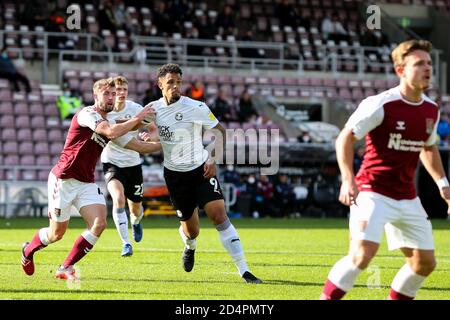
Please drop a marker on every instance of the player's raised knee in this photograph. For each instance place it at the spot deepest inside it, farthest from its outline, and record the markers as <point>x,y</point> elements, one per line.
<point>99,226</point>
<point>424,266</point>
<point>362,261</point>
<point>56,235</point>
<point>193,233</point>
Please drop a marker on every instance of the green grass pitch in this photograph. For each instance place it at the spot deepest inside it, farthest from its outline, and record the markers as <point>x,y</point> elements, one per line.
<point>291,256</point>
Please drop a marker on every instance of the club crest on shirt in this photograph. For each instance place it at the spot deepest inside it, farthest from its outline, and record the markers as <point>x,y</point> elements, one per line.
<point>179,116</point>
<point>430,125</point>
<point>400,125</point>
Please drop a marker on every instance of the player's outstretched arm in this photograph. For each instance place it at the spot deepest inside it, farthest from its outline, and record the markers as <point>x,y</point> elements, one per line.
<point>113,131</point>
<point>431,160</point>
<point>143,147</point>
<point>344,154</point>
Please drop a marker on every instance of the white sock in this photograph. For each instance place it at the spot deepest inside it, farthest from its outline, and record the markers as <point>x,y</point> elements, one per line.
<point>407,282</point>
<point>135,220</point>
<point>189,243</point>
<point>344,274</point>
<point>89,236</point>
<point>230,240</point>
<point>43,236</point>
<point>121,221</point>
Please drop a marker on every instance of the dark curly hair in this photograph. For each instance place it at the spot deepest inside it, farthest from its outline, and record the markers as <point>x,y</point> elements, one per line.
<point>169,68</point>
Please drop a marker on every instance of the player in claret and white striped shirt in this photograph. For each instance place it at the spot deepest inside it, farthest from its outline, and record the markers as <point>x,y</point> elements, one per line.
<point>399,126</point>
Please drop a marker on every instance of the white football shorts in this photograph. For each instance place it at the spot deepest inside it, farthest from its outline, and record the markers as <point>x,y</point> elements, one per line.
<point>64,193</point>
<point>405,221</point>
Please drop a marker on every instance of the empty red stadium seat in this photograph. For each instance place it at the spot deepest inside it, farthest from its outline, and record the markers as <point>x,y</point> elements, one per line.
<point>41,148</point>
<point>11,160</point>
<point>43,160</point>
<point>9,134</point>
<point>27,160</point>
<point>26,148</point>
<point>10,147</point>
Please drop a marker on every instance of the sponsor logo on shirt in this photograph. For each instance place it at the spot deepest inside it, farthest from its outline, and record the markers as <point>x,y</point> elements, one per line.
<point>211,116</point>
<point>397,143</point>
<point>400,125</point>
<point>99,139</point>
<point>165,133</point>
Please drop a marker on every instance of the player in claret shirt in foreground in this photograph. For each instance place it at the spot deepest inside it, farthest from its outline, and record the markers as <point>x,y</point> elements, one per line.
<point>400,126</point>
<point>71,181</point>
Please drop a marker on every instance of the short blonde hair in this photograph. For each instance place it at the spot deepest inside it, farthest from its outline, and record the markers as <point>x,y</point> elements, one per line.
<point>120,80</point>
<point>103,83</point>
<point>399,54</point>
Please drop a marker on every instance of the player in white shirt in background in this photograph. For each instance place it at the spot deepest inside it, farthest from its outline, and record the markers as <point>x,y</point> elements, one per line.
<point>123,172</point>
<point>189,173</point>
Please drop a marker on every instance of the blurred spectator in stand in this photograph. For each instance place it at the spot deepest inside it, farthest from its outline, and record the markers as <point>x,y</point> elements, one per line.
<point>302,193</point>
<point>333,29</point>
<point>286,14</point>
<point>304,137</point>
<point>35,13</point>
<point>106,17</point>
<point>162,19</point>
<point>196,91</point>
<point>221,108</point>
<point>373,38</point>
<point>358,158</point>
<point>247,112</point>
<point>151,94</point>
<point>443,129</point>
<point>179,12</point>
<point>250,52</point>
<point>225,22</point>
<point>194,50</point>
<point>205,29</point>
<point>68,103</point>
<point>255,197</point>
<point>122,18</point>
<point>8,71</point>
<point>284,197</point>
<point>56,23</point>
<point>265,190</point>
<point>230,175</point>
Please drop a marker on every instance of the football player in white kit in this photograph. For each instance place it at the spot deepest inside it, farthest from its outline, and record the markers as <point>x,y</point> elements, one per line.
<point>400,126</point>
<point>189,172</point>
<point>123,172</point>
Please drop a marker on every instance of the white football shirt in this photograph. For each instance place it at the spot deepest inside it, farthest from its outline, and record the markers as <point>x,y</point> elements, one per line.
<point>180,128</point>
<point>114,153</point>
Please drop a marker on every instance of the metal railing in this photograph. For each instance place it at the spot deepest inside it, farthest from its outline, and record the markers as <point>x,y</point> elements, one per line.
<point>89,48</point>
<point>86,42</point>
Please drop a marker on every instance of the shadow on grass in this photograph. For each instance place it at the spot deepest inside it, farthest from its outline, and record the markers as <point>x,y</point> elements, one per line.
<point>28,290</point>
<point>172,222</point>
<point>240,223</point>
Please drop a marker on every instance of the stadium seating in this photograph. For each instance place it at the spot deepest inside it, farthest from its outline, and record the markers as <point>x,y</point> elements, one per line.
<point>303,41</point>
